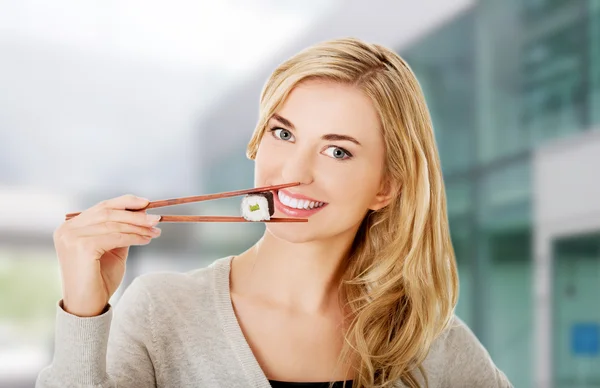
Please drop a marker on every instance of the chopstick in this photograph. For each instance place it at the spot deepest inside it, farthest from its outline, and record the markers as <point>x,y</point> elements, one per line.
<point>172,218</point>
<point>224,219</point>
<point>208,197</point>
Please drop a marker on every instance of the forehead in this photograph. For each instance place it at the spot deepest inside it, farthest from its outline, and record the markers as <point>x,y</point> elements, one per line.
<point>329,107</point>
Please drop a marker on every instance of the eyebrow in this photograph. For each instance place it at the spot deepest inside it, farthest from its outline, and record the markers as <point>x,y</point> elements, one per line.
<point>329,136</point>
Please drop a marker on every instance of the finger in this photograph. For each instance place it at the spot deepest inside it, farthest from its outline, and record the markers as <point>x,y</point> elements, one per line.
<point>128,201</point>
<point>123,216</point>
<point>105,242</point>
<point>116,227</point>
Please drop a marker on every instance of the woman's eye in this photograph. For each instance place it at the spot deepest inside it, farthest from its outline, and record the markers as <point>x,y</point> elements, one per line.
<point>282,134</point>
<point>338,153</point>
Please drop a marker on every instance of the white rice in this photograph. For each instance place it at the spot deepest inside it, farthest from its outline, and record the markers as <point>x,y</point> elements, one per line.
<point>260,214</point>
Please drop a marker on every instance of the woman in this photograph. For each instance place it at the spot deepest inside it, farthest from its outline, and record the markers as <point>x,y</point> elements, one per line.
<point>362,294</point>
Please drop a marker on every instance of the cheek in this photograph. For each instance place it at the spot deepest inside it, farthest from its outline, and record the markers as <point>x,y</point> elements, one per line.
<point>352,186</point>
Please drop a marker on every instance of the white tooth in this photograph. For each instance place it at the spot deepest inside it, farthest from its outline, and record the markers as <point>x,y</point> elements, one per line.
<point>321,203</point>
<point>297,203</point>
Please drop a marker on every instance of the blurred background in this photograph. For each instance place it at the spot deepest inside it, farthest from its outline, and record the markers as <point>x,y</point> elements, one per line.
<point>103,98</point>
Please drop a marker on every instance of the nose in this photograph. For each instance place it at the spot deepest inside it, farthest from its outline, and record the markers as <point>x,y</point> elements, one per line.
<point>298,167</point>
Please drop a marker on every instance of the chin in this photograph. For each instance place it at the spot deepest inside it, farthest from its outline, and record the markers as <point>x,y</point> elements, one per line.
<point>293,233</point>
<point>301,233</point>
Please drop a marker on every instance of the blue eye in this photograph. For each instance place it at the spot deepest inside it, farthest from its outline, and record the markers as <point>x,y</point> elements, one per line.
<point>338,153</point>
<point>282,134</point>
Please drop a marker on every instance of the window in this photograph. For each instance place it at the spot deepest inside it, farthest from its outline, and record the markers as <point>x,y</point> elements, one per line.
<point>553,69</point>
<point>444,66</point>
<point>594,31</point>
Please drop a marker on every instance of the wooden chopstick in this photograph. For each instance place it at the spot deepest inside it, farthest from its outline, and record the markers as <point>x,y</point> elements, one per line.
<point>172,218</point>
<point>208,197</point>
<point>205,197</point>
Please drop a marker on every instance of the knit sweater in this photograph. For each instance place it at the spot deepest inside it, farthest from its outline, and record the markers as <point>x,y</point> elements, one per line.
<point>180,330</point>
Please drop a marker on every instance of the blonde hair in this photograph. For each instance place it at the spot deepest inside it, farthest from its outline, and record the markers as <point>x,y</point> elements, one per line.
<point>401,282</point>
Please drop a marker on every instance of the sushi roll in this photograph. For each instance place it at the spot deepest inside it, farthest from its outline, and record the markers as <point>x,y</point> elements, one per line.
<point>258,206</point>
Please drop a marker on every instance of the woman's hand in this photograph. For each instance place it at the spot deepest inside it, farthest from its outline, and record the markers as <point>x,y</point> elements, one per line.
<point>92,249</point>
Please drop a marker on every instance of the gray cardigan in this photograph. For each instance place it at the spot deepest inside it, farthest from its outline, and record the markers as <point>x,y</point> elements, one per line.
<point>180,330</point>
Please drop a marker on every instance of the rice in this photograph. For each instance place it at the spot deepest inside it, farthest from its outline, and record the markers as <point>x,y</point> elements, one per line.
<point>258,207</point>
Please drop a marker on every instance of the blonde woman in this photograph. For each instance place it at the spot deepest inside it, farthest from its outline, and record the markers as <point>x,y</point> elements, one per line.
<point>362,295</point>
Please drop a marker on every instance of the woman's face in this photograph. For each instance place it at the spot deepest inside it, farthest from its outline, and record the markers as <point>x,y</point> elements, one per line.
<point>326,136</point>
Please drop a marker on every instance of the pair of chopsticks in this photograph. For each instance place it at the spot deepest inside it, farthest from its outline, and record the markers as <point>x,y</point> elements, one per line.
<point>208,197</point>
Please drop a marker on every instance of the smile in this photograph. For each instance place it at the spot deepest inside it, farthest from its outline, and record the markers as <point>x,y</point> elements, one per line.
<point>297,205</point>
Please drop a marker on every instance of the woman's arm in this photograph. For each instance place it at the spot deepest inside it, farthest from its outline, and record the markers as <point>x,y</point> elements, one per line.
<point>85,355</point>
<point>469,363</point>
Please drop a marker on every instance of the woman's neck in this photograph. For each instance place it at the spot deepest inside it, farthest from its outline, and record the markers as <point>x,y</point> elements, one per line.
<point>301,277</point>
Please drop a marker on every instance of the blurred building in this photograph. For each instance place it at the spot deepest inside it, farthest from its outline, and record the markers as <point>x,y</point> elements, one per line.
<point>514,91</point>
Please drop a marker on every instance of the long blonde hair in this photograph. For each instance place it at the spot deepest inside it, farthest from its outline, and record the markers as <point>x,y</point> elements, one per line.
<point>401,282</point>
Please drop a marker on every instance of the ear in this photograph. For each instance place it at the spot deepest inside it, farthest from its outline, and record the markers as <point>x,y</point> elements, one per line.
<point>388,191</point>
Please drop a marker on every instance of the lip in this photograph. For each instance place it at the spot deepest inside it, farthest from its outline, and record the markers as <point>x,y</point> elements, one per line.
<point>293,212</point>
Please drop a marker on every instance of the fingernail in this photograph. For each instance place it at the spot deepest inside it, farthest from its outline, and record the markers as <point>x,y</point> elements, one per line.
<point>153,218</point>
<point>156,231</point>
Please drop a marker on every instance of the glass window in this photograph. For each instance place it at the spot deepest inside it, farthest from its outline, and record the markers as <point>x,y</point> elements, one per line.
<point>505,197</point>
<point>553,69</point>
<point>443,64</point>
<point>576,310</point>
<point>498,35</point>
<point>460,231</point>
<point>510,276</point>
<point>594,30</point>
<point>459,198</point>
<point>533,74</point>
<point>537,9</point>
